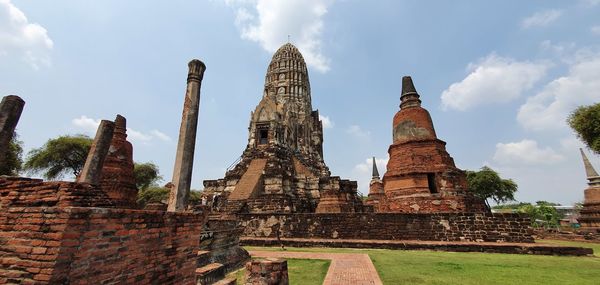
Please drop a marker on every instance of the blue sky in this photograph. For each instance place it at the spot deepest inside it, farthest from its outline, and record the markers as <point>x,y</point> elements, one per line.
<point>499,77</point>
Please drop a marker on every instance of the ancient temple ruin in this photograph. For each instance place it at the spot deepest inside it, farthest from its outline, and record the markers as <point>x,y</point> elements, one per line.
<point>421,176</point>
<point>590,214</point>
<point>57,232</point>
<point>282,168</point>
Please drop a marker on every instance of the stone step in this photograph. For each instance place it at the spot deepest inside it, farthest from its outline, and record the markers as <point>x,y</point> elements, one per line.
<point>203,258</point>
<point>250,181</point>
<point>209,274</point>
<point>226,281</point>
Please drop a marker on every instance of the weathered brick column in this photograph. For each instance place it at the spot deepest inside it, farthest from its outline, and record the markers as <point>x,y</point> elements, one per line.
<point>11,108</point>
<point>267,271</point>
<point>184,158</point>
<point>92,170</point>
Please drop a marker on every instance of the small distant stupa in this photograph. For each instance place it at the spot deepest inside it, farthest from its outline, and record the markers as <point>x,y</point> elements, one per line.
<point>590,214</point>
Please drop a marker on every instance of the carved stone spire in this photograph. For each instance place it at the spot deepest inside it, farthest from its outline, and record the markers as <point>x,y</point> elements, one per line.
<point>375,171</point>
<point>409,97</point>
<point>590,172</point>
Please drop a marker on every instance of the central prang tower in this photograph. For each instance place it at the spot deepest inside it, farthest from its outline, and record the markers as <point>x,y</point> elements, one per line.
<point>284,117</point>
<point>282,169</point>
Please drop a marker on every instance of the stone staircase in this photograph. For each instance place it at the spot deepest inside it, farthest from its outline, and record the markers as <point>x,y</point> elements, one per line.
<point>250,181</point>
<point>209,273</point>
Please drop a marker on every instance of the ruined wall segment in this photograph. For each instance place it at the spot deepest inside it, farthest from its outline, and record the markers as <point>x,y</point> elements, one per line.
<point>68,232</point>
<point>474,227</point>
<point>421,176</point>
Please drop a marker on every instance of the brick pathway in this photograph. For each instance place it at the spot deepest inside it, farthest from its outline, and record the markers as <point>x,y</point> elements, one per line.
<point>345,268</point>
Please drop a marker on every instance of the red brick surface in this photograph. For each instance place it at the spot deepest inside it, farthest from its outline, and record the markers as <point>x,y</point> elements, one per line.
<point>56,233</point>
<point>26,192</point>
<point>117,179</point>
<point>421,176</point>
<point>80,245</point>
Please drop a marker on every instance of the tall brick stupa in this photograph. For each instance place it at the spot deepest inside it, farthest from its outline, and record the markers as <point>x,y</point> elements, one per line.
<point>421,176</point>
<point>282,168</point>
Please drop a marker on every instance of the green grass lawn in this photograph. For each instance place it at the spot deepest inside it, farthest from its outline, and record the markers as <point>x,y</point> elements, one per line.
<point>431,267</point>
<point>300,271</point>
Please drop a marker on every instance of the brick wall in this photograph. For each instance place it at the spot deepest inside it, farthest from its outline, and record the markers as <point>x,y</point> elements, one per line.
<point>27,192</point>
<point>52,245</point>
<point>70,233</point>
<point>391,226</point>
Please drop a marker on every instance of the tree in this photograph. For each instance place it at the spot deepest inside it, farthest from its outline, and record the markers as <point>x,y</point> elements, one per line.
<point>146,175</point>
<point>585,120</point>
<point>59,156</point>
<point>152,194</point>
<point>14,157</point>
<point>542,214</point>
<point>487,184</point>
<point>156,194</point>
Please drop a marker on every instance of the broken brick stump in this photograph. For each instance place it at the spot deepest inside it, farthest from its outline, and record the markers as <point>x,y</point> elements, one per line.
<point>268,271</point>
<point>11,108</point>
<point>92,170</point>
<point>117,178</point>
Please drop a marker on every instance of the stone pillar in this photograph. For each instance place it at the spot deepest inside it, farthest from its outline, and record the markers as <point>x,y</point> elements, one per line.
<point>92,170</point>
<point>184,158</point>
<point>11,108</point>
<point>267,271</point>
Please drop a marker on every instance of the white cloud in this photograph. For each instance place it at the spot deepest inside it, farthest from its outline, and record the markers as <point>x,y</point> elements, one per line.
<point>525,152</point>
<point>561,49</point>
<point>570,144</point>
<point>541,19</point>
<point>548,109</point>
<point>595,30</point>
<point>90,126</point>
<point>19,38</point>
<point>269,22</point>
<point>367,166</point>
<point>493,79</point>
<point>160,135</point>
<point>591,3</point>
<point>327,122</point>
<point>138,136</point>
<point>358,132</point>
